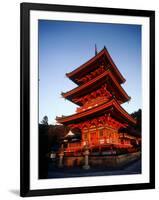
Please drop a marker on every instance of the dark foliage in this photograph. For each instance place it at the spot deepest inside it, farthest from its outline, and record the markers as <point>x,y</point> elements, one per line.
<point>44,120</point>
<point>50,137</point>
<point>43,149</point>
<point>138,116</point>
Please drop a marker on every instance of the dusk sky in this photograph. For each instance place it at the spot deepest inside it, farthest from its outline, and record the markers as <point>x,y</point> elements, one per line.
<point>64,46</point>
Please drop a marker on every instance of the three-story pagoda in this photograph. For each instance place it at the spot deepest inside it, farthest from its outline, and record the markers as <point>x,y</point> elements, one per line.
<point>99,95</point>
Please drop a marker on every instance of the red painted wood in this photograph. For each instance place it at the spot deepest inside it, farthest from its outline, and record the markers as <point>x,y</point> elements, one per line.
<point>100,115</point>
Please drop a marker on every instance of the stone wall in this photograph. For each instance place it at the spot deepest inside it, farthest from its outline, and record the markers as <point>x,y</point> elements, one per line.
<point>71,161</point>
<point>107,161</point>
<point>113,161</point>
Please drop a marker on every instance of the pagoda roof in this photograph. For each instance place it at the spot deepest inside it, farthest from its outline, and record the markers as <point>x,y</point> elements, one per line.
<point>87,67</point>
<point>94,83</point>
<point>112,107</point>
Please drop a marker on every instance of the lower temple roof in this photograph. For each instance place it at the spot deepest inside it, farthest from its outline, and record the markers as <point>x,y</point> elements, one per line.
<point>112,107</point>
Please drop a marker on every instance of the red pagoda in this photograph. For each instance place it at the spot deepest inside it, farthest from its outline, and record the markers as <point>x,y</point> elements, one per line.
<point>99,117</point>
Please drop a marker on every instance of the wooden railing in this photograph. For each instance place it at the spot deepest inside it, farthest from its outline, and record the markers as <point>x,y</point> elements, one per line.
<point>79,145</point>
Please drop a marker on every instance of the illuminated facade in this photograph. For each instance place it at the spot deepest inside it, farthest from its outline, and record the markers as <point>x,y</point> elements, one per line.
<point>99,117</point>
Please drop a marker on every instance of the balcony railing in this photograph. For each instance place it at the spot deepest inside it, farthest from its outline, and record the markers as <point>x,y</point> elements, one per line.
<point>79,145</point>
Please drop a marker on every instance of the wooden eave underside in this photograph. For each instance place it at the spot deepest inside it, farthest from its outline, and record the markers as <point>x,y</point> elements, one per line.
<point>89,85</point>
<point>98,110</point>
<point>77,72</point>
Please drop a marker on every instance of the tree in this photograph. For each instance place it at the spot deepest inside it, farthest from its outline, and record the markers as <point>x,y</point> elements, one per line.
<point>45,120</point>
<point>137,115</point>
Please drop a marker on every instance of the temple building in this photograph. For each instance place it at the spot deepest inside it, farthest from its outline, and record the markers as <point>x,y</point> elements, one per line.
<point>99,117</point>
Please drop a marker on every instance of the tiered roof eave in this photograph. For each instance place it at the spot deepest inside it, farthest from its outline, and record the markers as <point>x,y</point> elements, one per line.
<point>72,93</point>
<point>97,110</point>
<point>104,51</point>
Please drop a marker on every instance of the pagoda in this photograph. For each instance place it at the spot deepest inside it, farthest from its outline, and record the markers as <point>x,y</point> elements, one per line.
<point>99,116</point>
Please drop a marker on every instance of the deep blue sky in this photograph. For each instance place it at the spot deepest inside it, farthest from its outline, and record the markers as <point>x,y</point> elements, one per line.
<point>64,46</point>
